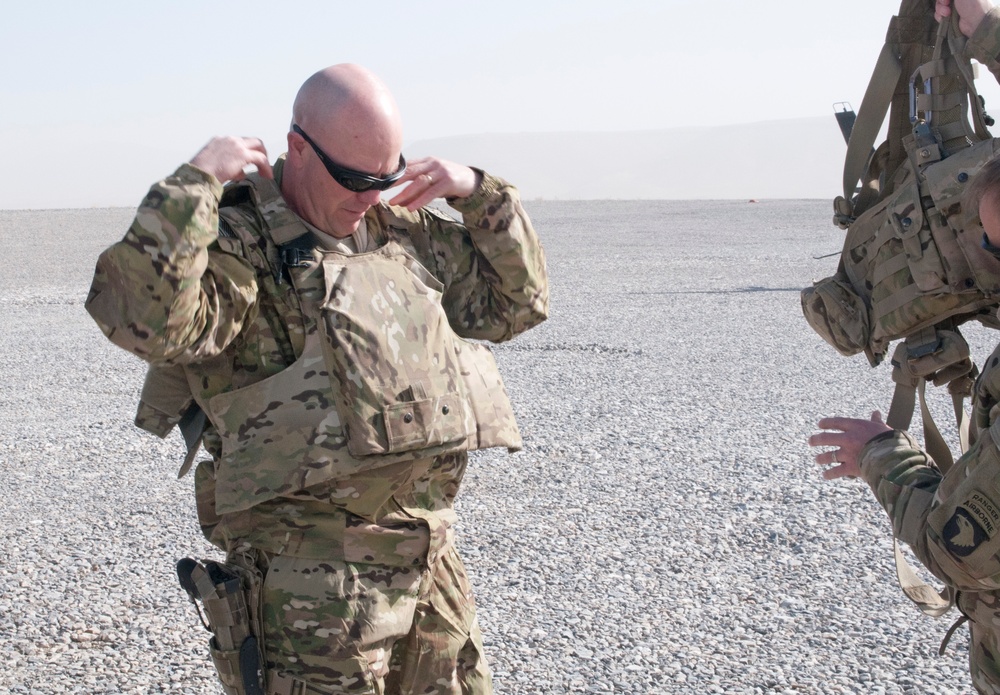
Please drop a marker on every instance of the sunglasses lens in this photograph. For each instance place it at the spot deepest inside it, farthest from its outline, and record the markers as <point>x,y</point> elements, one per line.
<point>352,180</point>
<point>990,248</point>
<point>353,184</point>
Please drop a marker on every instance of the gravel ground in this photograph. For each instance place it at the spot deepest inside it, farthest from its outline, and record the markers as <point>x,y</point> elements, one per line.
<point>664,531</point>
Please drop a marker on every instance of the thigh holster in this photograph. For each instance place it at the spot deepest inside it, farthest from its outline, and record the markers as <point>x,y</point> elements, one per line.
<point>226,597</point>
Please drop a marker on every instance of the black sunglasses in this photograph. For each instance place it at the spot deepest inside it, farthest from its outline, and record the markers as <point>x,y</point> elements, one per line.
<point>990,248</point>
<point>355,181</point>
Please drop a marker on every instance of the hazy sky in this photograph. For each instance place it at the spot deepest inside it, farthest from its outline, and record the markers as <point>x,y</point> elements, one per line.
<point>100,99</point>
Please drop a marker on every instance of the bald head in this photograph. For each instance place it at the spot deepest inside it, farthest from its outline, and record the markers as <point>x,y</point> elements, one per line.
<point>348,103</point>
<point>351,117</point>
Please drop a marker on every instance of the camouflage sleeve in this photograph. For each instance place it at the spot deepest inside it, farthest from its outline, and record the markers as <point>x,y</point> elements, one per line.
<point>950,522</point>
<point>984,44</point>
<point>904,480</point>
<point>493,264</point>
<point>164,292</point>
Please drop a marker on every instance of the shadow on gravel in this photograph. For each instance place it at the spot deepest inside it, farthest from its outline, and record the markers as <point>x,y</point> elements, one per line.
<point>742,290</point>
<point>569,347</point>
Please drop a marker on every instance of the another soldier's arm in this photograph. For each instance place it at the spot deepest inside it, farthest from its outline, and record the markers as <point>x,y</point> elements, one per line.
<point>951,523</point>
<point>904,480</point>
<point>980,21</point>
<point>159,292</point>
<point>970,13</point>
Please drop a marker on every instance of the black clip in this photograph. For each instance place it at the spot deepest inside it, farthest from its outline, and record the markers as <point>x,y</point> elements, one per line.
<point>293,257</point>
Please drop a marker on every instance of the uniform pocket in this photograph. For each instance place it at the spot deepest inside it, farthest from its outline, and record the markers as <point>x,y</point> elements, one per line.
<point>913,232</point>
<point>838,314</point>
<point>279,435</point>
<point>334,623</point>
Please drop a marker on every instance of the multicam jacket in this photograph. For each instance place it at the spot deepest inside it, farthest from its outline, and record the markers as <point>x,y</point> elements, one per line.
<point>226,311</point>
<point>952,521</point>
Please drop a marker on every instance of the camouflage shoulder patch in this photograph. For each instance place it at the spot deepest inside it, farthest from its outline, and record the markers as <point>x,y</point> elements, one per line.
<point>387,215</point>
<point>440,213</point>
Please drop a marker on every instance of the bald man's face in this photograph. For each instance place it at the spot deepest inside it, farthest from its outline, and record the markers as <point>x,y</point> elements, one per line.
<point>316,196</point>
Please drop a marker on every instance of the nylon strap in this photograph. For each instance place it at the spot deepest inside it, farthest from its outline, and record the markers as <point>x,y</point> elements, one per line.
<point>908,386</point>
<point>896,300</point>
<point>904,402</point>
<point>928,600</point>
<point>280,684</point>
<point>891,266</point>
<point>933,441</point>
<point>871,114</point>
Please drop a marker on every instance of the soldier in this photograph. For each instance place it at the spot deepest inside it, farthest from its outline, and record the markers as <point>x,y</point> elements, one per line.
<point>313,338</point>
<point>950,521</point>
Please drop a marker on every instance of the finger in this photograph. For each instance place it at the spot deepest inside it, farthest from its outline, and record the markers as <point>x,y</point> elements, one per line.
<point>877,417</point>
<point>420,164</point>
<point>835,423</point>
<point>825,439</point>
<point>422,189</point>
<point>828,458</point>
<point>415,169</point>
<point>416,180</point>
<point>405,196</point>
<point>255,144</point>
<point>258,158</point>
<point>837,472</point>
<point>422,199</point>
<point>265,170</point>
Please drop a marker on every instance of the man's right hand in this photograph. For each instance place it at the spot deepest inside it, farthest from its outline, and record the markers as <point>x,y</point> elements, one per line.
<point>225,157</point>
<point>970,13</point>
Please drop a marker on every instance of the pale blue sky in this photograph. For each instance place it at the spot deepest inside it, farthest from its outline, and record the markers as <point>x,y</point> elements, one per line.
<point>100,99</point>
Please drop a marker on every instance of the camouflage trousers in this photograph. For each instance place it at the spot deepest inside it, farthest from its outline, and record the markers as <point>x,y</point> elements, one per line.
<point>332,626</point>
<point>984,641</point>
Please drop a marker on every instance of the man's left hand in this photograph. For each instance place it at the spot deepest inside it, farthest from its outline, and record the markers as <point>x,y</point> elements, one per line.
<point>431,178</point>
<point>850,438</point>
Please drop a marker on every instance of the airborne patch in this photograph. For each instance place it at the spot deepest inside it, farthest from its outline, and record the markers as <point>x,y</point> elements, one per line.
<point>975,521</point>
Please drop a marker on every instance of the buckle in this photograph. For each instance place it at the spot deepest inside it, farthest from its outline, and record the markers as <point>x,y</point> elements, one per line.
<point>292,257</point>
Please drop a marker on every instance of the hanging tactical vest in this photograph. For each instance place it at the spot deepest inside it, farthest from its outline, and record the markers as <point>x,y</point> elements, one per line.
<point>912,266</point>
<point>381,377</point>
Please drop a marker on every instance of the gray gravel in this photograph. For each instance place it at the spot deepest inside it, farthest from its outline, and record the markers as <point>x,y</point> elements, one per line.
<point>664,531</point>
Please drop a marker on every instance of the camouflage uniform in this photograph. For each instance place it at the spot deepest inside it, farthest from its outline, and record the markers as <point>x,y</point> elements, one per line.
<point>363,590</point>
<point>951,522</point>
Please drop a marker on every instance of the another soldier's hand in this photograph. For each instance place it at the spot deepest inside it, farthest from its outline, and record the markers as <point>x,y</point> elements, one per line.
<point>431,178</point>
<point>226,157</point>
<point>850,436</point>
<point>970,13</point>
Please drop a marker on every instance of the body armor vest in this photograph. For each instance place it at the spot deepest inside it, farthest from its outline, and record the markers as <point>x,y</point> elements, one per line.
<point>381,378</point>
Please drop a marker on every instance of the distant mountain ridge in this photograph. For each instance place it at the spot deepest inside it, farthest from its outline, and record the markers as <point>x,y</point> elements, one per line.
<point>795,158</point>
